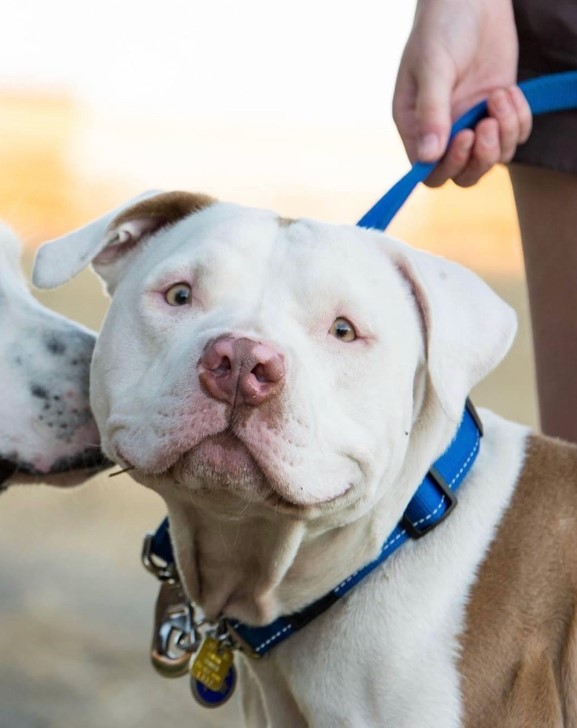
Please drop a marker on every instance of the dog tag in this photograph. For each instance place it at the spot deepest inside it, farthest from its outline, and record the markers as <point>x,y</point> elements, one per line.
<point>212,664</point>
<point>214,698</point>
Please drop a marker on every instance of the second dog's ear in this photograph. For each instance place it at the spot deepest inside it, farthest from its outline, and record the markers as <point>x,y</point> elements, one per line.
<point>110,241</point>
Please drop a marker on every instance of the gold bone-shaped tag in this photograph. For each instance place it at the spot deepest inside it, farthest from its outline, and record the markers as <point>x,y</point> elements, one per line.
<point>212,663</point>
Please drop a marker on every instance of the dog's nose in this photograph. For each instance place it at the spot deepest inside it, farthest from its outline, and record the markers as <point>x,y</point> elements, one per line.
<point>241,371</point>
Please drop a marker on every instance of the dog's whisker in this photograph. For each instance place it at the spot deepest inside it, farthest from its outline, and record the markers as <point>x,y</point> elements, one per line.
<point>119,472</point>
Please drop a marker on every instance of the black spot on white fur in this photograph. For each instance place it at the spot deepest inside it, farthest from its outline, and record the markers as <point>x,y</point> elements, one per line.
<point>58,390</point>
<point>37,390</point>
<point>55,346</point>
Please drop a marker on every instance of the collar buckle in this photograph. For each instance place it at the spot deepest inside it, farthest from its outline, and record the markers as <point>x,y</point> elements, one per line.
<point>449,499</point>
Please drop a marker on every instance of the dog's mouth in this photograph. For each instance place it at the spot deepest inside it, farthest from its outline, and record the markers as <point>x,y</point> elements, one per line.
<point>92,460</point>
<point>219,462</point>
<point>222,459</point>
<point>67,470</point>
<point>225,462</point>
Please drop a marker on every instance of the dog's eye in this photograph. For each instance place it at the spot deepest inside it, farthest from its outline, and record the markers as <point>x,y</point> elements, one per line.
<point>178,295</point>
<point>343,330</point>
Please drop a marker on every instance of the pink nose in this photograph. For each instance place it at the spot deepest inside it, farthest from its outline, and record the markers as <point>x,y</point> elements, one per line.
<point>241,371</point>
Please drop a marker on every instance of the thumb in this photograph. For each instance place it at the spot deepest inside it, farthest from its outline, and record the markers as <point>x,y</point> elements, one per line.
<point>432,112</point>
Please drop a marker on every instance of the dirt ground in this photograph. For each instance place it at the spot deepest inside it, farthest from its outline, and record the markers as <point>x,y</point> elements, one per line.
<point>75,604</point>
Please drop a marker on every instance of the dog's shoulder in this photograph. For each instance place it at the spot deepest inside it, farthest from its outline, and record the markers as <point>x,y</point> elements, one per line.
<point>544,505</point>
<point>519,649</point>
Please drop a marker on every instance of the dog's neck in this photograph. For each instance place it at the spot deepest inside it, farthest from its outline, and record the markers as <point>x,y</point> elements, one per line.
<point>255,565</point>
<point>255,569</point>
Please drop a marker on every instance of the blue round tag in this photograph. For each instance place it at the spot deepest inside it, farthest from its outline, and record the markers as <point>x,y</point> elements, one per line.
<point>214,698</point>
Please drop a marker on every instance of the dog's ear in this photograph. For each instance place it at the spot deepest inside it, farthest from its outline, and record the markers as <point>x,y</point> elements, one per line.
<point>110,242</point>
<point>468,329</point>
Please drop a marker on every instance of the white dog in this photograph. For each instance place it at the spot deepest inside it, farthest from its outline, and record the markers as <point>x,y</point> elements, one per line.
<point>47,431</point>
<point>286,387</point>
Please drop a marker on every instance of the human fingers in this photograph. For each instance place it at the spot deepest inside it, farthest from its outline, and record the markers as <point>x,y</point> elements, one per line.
<point>523,112</point>
<point>470,155</point>
<point>513,117</point>
<point>485,153</point>
<point>404,110</point>
<point>433,111</point>
<point>455,160</point>
<point>422,105</point>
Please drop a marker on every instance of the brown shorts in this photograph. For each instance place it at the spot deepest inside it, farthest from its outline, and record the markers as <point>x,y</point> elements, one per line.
<point>547,32</point>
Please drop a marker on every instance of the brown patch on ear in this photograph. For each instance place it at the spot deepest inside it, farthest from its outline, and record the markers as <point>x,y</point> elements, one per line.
<point>146,218</point>
<point>164,209</point>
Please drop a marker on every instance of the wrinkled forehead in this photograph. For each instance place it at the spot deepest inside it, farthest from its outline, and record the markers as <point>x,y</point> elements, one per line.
<point>257,245</point>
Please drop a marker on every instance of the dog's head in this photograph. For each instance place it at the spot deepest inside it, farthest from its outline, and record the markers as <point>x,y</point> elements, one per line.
<point>290,364</point>
<point>47,431</point>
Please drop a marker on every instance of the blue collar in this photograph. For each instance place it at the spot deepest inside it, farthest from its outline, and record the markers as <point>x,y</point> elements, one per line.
<point>433,501</point>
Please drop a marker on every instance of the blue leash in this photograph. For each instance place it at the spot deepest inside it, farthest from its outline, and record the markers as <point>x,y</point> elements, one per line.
<point>546,94</point>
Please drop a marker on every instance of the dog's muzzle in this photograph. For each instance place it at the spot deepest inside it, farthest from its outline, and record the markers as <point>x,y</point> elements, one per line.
<point>91,461</point>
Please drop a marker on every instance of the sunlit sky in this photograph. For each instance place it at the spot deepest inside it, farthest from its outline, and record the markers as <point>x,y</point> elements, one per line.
<point>280,105</point>
<point>303,61</point>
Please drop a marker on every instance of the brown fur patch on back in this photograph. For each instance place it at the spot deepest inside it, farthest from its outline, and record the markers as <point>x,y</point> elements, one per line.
<point>519,648</point>
<point>165,209</point>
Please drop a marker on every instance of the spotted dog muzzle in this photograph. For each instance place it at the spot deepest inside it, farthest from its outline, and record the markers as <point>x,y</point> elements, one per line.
<point>91,461</point>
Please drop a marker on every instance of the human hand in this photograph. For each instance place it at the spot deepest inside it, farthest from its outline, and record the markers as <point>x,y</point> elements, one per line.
<point>458,53</point>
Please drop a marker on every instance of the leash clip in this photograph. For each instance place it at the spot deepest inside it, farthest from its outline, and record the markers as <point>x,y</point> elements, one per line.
<point>175,635</point>
<point>162,570</point>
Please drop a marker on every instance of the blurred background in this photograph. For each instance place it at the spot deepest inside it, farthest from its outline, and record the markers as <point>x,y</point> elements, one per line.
<point>273,105</point>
